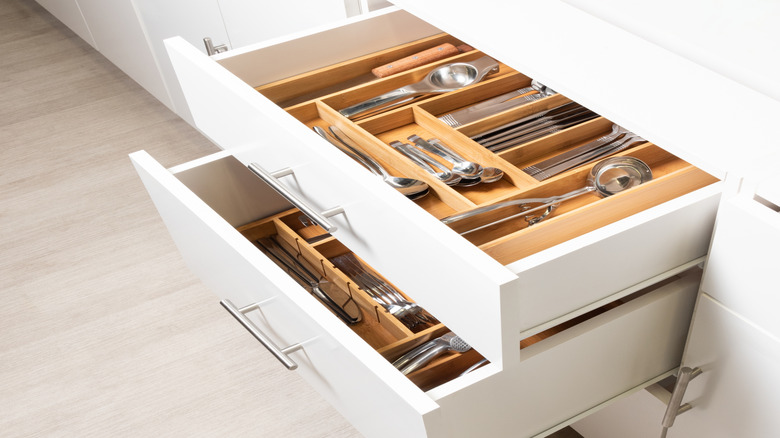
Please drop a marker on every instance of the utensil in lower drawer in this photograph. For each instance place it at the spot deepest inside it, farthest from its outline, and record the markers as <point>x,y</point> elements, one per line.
<point>383,293</point>
<point>425,353</point>
<point>448,77</point>
<point>409,187</point>
<point>348,311</point>
<point>495,105</point>
<point>608,177</point>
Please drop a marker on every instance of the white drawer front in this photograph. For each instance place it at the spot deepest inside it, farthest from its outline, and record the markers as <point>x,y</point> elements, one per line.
<point>738,392</point>
<point>574,371</point>
<point>592,267</point>
<point>340,365</point>
<point>742,267</point>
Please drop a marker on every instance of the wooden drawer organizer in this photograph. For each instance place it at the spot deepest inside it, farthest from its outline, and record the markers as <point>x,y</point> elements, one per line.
<point>382,331</point>
<point>315,97</point>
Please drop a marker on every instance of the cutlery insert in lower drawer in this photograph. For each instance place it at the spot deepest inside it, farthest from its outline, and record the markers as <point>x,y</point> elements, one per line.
<point>384,317</point>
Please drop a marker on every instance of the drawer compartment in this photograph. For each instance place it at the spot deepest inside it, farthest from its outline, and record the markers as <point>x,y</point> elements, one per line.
<point>215,209</point>
<point>519,279</point>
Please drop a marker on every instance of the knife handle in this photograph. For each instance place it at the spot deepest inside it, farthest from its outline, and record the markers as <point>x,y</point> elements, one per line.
<point>421,58</point>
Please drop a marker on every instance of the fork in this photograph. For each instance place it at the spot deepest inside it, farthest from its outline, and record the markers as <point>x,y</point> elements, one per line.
<point>387,296</point>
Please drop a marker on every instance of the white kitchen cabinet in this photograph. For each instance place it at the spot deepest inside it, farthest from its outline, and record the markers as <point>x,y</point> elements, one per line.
<point>737,392</point>
<point>69,13</point>
<point>250,22</point>
<point>733,340</point>
<point>602,274</point>
<point>130,33</point>
<point>120,36</point>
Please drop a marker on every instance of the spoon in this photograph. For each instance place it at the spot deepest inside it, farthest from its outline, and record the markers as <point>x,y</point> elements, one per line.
<point>489,174</point>
<point>466,169</point>
<point>448,77</point>
<point>411,188</point>
<point>608,177</point>
<point>427,163</point>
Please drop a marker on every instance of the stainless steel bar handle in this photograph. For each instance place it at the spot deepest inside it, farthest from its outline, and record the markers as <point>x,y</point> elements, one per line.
<point>320,218</point>
<point>280,353</point>
<point>675,406</point>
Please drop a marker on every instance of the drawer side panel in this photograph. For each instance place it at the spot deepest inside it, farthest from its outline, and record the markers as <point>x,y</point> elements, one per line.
<point>333,358</point>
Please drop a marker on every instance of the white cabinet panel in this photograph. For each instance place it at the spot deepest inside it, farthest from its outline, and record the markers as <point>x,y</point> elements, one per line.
<point>120,37</point>
<point>250,22</point>
<point>192,20</point>
<point>738,393</point>
<point>742,267</point>
<point>69,13</point>
<point>731,37</point>
<point>636,416</point>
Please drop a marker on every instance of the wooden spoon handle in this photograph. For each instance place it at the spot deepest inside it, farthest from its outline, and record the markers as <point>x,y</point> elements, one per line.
<point>421,58</point>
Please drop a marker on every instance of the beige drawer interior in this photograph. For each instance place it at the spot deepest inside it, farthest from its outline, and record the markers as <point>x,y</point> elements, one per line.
<point>316,97</point>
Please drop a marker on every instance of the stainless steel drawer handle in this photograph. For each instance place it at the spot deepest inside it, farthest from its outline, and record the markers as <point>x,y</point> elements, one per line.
<point>272,179</point>
<point>675,406</point>
<point>280,353</point>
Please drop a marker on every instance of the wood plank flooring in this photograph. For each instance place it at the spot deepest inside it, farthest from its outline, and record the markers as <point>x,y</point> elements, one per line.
<point>104,330</point>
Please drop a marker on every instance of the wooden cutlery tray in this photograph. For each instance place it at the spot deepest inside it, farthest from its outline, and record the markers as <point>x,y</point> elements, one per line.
<point>315,97</point>
<point>381,330</point>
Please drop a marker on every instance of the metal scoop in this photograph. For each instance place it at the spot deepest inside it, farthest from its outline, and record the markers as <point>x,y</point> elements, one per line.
<point>449,77</point>
<point>422,355</point>
<point>608,177</point>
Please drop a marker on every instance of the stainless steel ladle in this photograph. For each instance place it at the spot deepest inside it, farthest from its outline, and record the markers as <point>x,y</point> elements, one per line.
<point>448,77</point>
<point>608,177</point>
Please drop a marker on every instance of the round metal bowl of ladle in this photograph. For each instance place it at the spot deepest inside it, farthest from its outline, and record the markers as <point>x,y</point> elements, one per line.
<point>608,177</point>
<point>448,77</point>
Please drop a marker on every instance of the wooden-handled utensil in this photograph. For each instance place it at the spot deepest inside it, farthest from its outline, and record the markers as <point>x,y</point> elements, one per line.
<point>421,58</point>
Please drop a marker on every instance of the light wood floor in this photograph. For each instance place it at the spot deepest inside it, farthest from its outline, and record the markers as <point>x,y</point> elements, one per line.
<point>104,330</point>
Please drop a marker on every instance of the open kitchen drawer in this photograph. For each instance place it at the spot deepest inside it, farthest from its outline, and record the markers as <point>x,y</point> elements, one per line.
<point>514,280</point>
<point>216,209</point>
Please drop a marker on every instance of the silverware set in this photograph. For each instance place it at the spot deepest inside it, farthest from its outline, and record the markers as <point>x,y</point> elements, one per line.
<point>460,171</point>
<point>495,105</point>
<point>321,288</point>
<point>409,313</point>
<point>616,141</point>
<point>535,126</point>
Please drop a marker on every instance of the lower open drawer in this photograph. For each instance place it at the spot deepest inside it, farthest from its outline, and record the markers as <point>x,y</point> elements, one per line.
<point>561,373</point>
